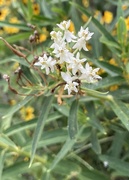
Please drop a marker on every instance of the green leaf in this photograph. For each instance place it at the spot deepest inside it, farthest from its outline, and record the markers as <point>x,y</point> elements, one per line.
<point>122,111</point>
<point>104,40</point>
<point>18,106</point>
<point>93,117</point>
<point>117,164</point>
<point>6,142</point>
<point>92,175</point>
<point>18,168</point>
<point>117,144</point>
<point>95,142</point>
<point>109,68</point>
<point>106,82</point>
<point>29,124</point>
<point>121,31</point>
<point>40,124</point>
<point>64,150</point>
<point>18,37</point>
<point>63,109</point>
<point>49,138</point>
<point>19,26</point>
<point>30,9</point>
<point>72,119</point>
<point>2,158</point>
<point>119,9</point>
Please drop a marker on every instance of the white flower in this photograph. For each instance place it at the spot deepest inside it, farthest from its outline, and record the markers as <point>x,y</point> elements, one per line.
<point>64,25</point>
<point>71,85</point>
<point>76,64</point>
<point>84,35</point>
<point>62,53</point>
<point>68,36</point>
<point>57,37</point>
<point>89,74</point>
<point>46,63</point>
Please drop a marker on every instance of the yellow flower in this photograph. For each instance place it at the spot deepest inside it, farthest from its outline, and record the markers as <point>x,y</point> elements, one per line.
<point>26,1</point>
<point>3,13</point>
<point>124,7</point>
<point>113,62</point>
<point>72,27</point>
<point>127,23</point>
<point>125,60</point>
<point>101,71</point>
<point>84,17</point>
<point>107,17</point>
<point>27,113</point>
<point>113,88</point>
<point>85,3</point>
<point>11,30</point>
<point>36,9</point>
<point>1,2</point>
<point>44,34</point>
<point>8,2</point>
<point>12,102</point>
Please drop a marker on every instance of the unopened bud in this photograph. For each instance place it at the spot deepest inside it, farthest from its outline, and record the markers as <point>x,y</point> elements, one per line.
<point>6,77</point>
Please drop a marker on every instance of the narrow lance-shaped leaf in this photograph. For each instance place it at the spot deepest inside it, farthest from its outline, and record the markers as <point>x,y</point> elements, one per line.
<point>72,119</point>
<point>94,121</point>
<point>116,164</point>
<point>2,158</point>
<point>122,111</point>
<point>6,142</point>
<point>121,31</point>
<point>95,142</point>
<point>40,124</point>
<point>16,107</point>
<point>64,150</point>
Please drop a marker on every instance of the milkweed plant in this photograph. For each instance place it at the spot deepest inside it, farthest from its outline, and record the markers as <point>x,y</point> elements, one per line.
<point>64,96</point>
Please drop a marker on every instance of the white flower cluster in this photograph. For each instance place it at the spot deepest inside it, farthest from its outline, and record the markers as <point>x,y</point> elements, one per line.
<point>66,52</point>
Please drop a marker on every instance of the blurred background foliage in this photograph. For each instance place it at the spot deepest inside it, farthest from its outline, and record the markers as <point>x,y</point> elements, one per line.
<point>35,129</point>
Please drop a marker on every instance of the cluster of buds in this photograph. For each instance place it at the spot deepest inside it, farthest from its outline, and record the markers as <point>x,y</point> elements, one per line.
<point>66,48</point>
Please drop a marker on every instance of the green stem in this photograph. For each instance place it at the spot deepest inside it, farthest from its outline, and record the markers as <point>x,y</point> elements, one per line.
<point>98,94</point>
<point>19,151</point>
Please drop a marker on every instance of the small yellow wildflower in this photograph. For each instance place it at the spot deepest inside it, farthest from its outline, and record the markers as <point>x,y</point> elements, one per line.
<point>96,13</point>
<point>27,113</point>
<point>8,2</point>
<point>113,62</point>
<point>26,1</point>
<point>113,88</point>
<point>36,9</point>
<point>85,3</point>
<point>72,27</point>
<point>44,34</point>
<point>11,30</point>
<point>101,71</point>
<point>12,102</point>
<point>84,18</point>
<point>127,23</point>
<point>107,17</point>
<point>124,7</point>
<point>125,60</point>
<point>3,13</point>
<point>1,2</point>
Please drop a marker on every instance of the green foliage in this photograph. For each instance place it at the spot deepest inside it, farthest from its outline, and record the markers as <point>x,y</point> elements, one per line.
<point>48,134</point>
